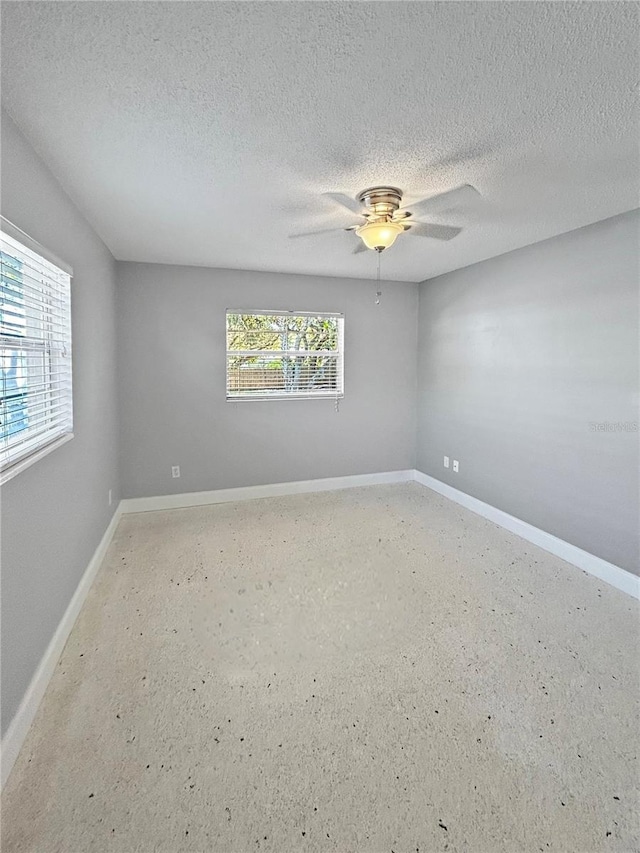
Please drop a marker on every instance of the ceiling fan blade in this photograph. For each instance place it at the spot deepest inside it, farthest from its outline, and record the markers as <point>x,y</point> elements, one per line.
<point>314,233</point>
<point>359,248</point>
<point>436,232</point>
<point>346,201</point>
<point>457,197</point>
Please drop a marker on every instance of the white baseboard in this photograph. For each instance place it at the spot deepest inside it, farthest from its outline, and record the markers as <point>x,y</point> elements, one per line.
<point>246,493</point>
<point>607,572</point>
<point>20,724</point>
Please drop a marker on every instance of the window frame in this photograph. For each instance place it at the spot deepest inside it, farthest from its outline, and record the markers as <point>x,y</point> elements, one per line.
<point>287,395</point>
<point>38,445</point>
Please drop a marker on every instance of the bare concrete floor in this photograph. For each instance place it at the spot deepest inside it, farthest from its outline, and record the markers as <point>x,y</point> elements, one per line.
<point>367,670</point>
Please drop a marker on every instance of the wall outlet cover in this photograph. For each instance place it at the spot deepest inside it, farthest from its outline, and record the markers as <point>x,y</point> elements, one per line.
<point>456,465</point>
<point>175,471</point>
<point>446,461</point>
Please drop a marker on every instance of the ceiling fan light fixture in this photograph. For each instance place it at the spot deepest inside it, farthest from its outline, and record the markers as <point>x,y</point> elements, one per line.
<point>379,235</point>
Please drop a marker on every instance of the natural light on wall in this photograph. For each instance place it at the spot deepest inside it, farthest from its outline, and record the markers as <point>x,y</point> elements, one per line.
<point>281,355</point>
<point>36,401</point>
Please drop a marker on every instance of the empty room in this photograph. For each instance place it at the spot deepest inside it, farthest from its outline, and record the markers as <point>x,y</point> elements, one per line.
<point>319,404</point>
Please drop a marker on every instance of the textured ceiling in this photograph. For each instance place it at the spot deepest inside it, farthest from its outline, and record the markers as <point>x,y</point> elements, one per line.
<point>205,132</point>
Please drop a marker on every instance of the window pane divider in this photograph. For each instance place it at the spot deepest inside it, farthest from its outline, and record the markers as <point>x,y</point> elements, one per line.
<point>282,353</point>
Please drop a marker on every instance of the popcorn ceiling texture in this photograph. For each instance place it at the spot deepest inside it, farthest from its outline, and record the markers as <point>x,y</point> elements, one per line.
<point>204,133</point>
<point>367,670</point>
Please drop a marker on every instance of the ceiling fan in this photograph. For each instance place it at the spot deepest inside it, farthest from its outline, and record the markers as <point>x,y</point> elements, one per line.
<point>384,219</point>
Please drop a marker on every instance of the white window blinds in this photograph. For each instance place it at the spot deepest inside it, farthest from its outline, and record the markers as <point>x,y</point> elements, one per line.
<point>36,407</point>
<point>275,355</point>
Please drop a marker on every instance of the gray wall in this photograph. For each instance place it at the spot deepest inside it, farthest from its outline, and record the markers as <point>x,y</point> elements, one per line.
<point>171,351</point>
<point>518,356</point>
<point>55,512</point>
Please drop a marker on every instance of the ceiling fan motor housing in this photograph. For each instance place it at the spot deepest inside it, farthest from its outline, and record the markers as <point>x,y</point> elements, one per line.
<point>381,201</point>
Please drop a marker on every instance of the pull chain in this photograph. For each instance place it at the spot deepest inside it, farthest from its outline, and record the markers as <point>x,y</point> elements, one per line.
<point>378,291</point>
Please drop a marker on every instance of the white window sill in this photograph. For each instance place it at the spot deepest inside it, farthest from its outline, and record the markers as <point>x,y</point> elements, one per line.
<point>278,397</point>
<point>10,472</point>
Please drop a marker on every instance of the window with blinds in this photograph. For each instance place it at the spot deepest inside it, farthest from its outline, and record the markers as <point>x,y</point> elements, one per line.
<point>284,355</point>
<point>36,408</point>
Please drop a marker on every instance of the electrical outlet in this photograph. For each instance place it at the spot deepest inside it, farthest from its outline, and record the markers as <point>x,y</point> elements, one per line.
<point>446,461</point>
<point>456,465</point>
<point>110,497</point>
<point>175,471</point>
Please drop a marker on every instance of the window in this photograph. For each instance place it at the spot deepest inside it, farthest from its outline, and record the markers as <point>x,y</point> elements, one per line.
<point>284,355</point>
<point>36,412</point>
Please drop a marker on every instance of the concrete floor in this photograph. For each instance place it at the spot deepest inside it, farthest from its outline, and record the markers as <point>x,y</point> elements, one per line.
<point>374,669</point>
